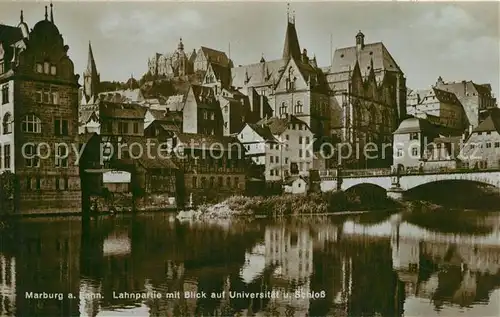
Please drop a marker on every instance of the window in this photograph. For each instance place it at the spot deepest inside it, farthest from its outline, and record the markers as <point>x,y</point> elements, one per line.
<point>39,68</point>
<point>61,156</point>
<point>236,182</point>
<point>195,182</point>
<point>5,94</point>
<point>6,156</point>
<point>53,70</point>
<point>497,144</point>
<point>300,153</point>
<point>203,182</point>
<point>205,115</point>
<point>212,182</point>
<point>488,145</point>
<point>38,183</point>
<point>307,140</point>
<point>136,127</point>
<point>286,160</point>
<point>414,151</point>
<point>212,116</point>
<point>46,67</point>
<point>60,127</point>
<point>414,136</point>
<point>122,127</point>
<point>399,152</point>
<point>31,158</point>
<point>31,124</point>
<point>276,158</point>
<point>300,140</point>
<point>283,109</point>
<point>298,107</point>
<point>57,183</point>
<point>228,182</point>
<point>7,123</point>
<point>47,96</point>
<point>226,109</point>
<point>221,181</point>
<point>287,137</point>
<point>271,159</point>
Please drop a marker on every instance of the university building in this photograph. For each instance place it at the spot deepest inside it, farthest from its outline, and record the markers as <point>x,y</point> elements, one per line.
<point>39,104</point>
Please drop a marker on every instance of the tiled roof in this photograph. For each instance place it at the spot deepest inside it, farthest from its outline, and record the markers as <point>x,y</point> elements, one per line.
<point>85,116</point>
<point>10,34</point>
<point>222,73</point>
<point>279,125</point>
<point>412,125</point>
<point>120,96</point>
<point>121,111</point>
<point>440,95</point>
<point>461,89</point>
<point>157,114</point>
<point>260,74</point>
<point>291,48</point>
<point>198,141</point>
<point>215,56</point>
<point>263,131</point>
<point>491,123</point>
<point>345,58</point>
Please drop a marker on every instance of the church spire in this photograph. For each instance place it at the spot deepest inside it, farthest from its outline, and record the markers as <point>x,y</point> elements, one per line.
<point>46,14</point>
<point>291,47</point>
<point>51,12</point>
<point>91,79</point>
<point>22,16</point>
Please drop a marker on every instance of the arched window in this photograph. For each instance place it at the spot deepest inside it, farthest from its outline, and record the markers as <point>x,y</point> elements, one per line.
<point>32,123</point>
<point>7,123</point>
<point>283,109</point>
<point>298,107</point>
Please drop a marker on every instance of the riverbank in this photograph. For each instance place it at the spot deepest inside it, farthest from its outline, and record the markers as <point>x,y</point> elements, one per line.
<point>329,203</point>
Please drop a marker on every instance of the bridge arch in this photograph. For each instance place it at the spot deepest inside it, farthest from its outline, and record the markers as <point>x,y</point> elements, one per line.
<point>382,182</point>
<point>409,182</point>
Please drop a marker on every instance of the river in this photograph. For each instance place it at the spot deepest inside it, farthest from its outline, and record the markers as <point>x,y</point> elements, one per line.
<point>150,265</point>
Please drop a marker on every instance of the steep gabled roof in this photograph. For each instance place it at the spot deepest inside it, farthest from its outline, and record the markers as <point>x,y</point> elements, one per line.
<point>121,111</point>
<point>215,56</point>
<point>491,123</point>
<point>259,74</point>
<point>263,131</point>
<point>291,48</point>
<point>345,58</point>
<point>10,35</point>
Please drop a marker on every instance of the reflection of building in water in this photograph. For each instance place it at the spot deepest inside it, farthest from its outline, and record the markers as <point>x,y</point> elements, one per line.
<point>89,298</point>
<point>255,263</point>
<point>116,244</point>
<point>7,286</point>
<point>454,272</point>
<point>292,252</point>
<point>405,259</point>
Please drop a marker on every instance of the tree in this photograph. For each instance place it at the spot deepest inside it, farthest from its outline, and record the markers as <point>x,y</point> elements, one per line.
<point>7,185</point>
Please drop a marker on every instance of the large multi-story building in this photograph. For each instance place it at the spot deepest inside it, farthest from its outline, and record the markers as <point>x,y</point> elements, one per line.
<point>293,84</point>
<point>475,98</point>
<point>439,107</point>
<point>181,64</point>
<point>39,106</point>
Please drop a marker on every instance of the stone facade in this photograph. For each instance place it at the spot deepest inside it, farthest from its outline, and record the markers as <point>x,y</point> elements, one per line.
<point>43,101</point>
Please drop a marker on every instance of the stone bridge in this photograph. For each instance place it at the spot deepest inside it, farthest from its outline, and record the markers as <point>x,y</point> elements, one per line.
<point>396,183</point>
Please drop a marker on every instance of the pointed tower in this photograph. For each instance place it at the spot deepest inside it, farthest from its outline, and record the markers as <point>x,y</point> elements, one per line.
<point>91,79</point>
<point>291,47</point>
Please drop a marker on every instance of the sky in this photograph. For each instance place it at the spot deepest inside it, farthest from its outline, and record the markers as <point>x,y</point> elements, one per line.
<point>457,41</point>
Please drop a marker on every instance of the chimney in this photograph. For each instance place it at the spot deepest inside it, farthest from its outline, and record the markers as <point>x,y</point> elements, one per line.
<point>465,87</point>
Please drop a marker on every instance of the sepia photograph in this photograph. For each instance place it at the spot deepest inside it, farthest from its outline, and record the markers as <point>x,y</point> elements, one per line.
<point>249,158</point>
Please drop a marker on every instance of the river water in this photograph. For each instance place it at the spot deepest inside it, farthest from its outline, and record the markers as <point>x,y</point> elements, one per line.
<point>366,265</point>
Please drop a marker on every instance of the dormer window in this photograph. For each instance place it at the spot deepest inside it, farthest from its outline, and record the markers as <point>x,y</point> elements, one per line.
<point>46,67</point>
<point>39,68</point>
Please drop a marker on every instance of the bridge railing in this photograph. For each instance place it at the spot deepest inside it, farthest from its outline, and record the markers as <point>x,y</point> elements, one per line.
<point>408,171</point>
<point>367,172</point>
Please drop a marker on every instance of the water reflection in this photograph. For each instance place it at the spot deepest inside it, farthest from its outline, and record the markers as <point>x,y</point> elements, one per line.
<point>370,265</point>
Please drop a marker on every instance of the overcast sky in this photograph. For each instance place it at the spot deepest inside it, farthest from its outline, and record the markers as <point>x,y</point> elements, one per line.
<point>454,40</point>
